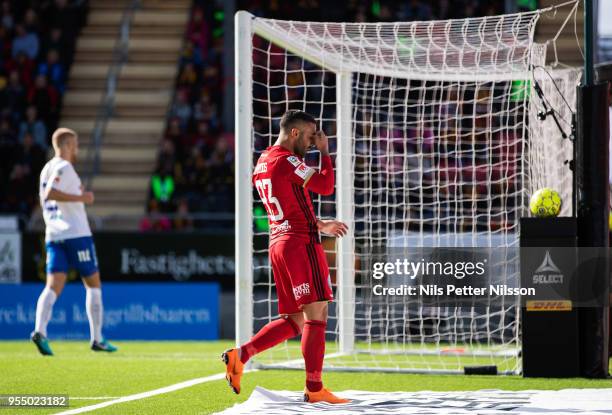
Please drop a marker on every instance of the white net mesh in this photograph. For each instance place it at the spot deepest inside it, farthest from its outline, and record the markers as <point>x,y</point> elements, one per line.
<point>446,148</point>
<point>548,164</point>
<point>492,46</point>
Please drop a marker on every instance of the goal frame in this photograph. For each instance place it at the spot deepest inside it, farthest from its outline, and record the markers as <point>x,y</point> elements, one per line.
<point>245,27</point>
<point>346,76</point>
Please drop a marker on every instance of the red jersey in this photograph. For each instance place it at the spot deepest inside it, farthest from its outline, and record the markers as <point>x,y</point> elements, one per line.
<point>283,182</point>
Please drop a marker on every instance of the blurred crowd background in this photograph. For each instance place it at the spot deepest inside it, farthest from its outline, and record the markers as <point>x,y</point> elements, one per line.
<point>194,169</point>
<point>195,164</point>
<point>37,40</point>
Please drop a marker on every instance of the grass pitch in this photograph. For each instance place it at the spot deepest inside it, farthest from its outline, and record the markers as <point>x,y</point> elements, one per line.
<point>89,378</point>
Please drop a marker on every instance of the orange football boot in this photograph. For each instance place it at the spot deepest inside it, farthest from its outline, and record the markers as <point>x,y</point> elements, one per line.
<point>233,369</point>
<point>322,396</point>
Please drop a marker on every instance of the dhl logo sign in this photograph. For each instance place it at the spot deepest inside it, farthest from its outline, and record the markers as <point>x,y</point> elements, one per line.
<point>549,305</point>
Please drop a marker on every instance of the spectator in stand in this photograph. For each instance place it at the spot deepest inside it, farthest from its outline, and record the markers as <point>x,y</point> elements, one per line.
<point>30,21</point>
<point>203,138</point>
<point>182,220</point>
<point>46,100</point>
<point>214,56</point>
<point>166,158</point>
<point>206,110</point>
<point>220,185</point>
<point>19,197</point>
<point>162,181</point>
<point>175,135</point>
<point>181,108</point>
<point>211,77</point>
<point>4,98</point>
<point>199,180</point>
<point>60,13</point>
<point>443,10</point>
<point>361,16</point>
<point>34,127</point>
<point>25,42</point>
<point>30,154</point>
<point>15,97</point>
<point>56,41</point>
<point>6,43</point>
<point>162,186</point>
<point>174,132</point>
<point>184,176</point>
<point>212,84</point>
<point>221,156</point>
<point>24,66</point>
<point>155,221</point>
<point>470,8</point>
<point>8,21</point>
<point>198,32</point>
<point>53,70</point>
<point>7,135</point>
<point>188,76</point>
<point>8,147</point>
<point>415,10</point>
<point>192,54</point>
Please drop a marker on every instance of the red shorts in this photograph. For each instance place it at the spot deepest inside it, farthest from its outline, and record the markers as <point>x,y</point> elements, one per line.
<point>300,273</point>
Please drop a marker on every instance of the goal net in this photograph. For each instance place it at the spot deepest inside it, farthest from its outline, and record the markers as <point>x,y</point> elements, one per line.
<point>436,141</point>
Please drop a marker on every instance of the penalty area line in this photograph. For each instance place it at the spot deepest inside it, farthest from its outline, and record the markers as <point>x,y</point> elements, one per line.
<point>148,394</point>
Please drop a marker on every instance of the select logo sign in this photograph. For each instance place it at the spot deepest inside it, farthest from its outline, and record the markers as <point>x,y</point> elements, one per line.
<point>549,305</point>
<point>548,272</point>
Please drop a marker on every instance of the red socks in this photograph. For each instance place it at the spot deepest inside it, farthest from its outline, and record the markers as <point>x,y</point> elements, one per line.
<point>313,345</point>
<point>270,335</point>
<point>313,349</point>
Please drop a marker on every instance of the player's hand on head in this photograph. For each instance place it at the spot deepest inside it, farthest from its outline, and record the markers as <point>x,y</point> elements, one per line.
<point>333,227</point>
<point>321,142</point>
<point>88,198</point>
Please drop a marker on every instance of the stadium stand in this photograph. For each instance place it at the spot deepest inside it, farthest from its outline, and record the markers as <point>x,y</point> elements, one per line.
<point>144,86</point>
<point>37,40</point>
<point>191,170</point>
<point>195,159</point>
<point>194,171</point>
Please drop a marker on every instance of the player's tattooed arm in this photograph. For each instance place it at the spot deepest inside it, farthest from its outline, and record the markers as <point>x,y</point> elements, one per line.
<point>332,227</point>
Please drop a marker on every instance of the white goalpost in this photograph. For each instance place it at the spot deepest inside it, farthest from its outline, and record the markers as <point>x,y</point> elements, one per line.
<point>436,140</point>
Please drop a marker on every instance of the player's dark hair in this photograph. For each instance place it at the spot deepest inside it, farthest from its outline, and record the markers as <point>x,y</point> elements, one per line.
<point>292,117</point>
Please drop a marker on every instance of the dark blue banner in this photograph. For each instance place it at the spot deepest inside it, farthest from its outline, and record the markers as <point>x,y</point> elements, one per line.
<point>153,311</point>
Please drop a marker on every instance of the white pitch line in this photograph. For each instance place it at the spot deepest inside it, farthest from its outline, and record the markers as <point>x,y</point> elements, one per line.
<point>93,398</point>
<point>143,395</point>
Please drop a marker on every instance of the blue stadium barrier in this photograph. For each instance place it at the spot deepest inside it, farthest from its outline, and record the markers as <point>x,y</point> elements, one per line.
<point>151,311</point>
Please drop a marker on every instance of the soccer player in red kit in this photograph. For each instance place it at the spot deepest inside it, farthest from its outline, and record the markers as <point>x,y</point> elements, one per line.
<point>301,274</point>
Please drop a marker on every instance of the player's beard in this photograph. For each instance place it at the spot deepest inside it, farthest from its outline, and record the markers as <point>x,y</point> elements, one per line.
<point>300,148</point>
